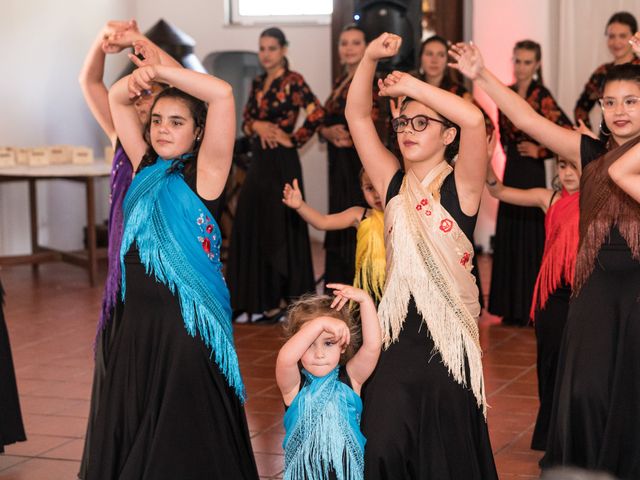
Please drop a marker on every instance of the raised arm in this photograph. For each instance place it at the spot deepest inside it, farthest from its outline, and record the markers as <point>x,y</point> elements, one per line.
<point>91,80</point>
<point>364,362</point>
<point>129,36</point>
<point>379,163</point>
<point>292,198</point>
<point>216,149</point>
<point>562,141</point>
<point>472,159</point>
<point>287,372</point>
<point>625,171</point>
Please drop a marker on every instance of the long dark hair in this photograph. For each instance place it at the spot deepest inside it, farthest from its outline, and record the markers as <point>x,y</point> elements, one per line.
<point>625,18</point>
<point>198,110</point>
<point>450,150</point>
<point>275,32</point>
<point>535,48</point>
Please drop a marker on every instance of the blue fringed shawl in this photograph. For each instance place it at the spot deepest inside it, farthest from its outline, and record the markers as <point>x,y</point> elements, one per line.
<point>179,243</point>
<point>323,431</point>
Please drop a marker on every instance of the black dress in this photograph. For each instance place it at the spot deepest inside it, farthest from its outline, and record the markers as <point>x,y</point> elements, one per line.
<point>595,421</point>
<point>11,427</point>
<point>269,252</point>
<point>419,422</point>
<point>166,410</point>
<point>344,192</point>
<point>519,237</point>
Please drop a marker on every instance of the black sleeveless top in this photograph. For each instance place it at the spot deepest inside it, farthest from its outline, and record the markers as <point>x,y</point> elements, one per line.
<point>214,206</point>
<point>448,199</point>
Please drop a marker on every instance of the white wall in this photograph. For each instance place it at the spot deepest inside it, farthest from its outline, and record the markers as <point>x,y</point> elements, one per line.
<point>43,46</point>
<point>42,104</point>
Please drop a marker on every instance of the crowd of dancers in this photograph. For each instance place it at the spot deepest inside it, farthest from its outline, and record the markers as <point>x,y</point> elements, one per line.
<point>381,378</point>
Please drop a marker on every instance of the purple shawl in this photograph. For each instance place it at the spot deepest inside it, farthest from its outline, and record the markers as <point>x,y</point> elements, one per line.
<point>121,176</point>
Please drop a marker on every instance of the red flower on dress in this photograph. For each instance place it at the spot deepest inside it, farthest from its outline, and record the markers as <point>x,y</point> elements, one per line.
<point>465,259</point>
<point>446,225</point>
<point>206,245</point>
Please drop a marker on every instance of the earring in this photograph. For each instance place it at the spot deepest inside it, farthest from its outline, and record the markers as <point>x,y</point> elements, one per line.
<point>535,76</point>
<point>604,130</point>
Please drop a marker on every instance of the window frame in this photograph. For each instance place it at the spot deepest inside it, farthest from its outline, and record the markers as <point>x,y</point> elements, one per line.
<point>233,17</point>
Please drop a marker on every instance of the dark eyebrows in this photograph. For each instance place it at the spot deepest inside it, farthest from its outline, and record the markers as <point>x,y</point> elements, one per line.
<point>172,117</point>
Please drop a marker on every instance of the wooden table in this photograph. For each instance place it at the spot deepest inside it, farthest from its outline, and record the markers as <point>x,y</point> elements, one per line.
<point>86,174</point>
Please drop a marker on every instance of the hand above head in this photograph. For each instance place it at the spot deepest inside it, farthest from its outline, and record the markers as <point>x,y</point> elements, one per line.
<point>468,59</point>
<point>344,293</point>
<point>338,330</point>
<point>386,45</point>
<point>148,51</point>
<point>118,35</point>
<point>395,104</point>
<point>291,195</point>
<point>141,79</point>
<point>397,84</point>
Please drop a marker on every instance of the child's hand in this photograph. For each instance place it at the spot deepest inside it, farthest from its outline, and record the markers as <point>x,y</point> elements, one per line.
<point>395,104</point>
<point>584,130</point>
<point>396,84</point>
<point>118,35</point>
<point>344,293</point>
<point>338,330</point>
<point>147,50</point>
<point>635,43</point>
<point>291,195</point>
<point>141,80</point>
<point>468,59</point>
<point>386,45</point>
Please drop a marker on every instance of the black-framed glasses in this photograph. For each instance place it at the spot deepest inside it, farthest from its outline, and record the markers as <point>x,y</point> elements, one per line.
<point>418,123</point>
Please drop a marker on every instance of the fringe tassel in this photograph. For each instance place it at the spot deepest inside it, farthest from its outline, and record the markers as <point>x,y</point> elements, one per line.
<point>161,254</point>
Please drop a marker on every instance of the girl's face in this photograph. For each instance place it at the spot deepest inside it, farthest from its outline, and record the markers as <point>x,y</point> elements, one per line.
<point>618,36</point>
<point>143,103</point>
<point>370,194</point>
<point>434,59</point>
<point>524,64</point>
<point>271,54</point>
<point>621,109</point>
<point>172,131</point>
<point>351,47</point>
<point>322,356</point>
<point>418,146</point>
<point>569,176</point>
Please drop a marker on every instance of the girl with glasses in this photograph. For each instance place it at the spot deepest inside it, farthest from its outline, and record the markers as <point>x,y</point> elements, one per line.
<point>594,418</point>
<point>424,407</point>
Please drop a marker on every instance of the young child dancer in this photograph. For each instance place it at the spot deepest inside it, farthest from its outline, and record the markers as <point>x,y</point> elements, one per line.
<point>322,421</point>
<point>550,305</point>
<point>172,400</point>
<point>424,408</point>
<point>370,252</point>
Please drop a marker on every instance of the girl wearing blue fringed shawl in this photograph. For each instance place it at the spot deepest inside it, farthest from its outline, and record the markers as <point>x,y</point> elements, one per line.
<point>322,422</point>
<point>172,400</point>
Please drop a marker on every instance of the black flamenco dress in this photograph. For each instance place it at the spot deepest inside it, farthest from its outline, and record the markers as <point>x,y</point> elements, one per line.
<point>519,237</point>
<point>269,253</point>
<point>344,189</point>
<point>595,420</point>
<point>11,427</point>
<point>166,410</point>
<point>419,422</point>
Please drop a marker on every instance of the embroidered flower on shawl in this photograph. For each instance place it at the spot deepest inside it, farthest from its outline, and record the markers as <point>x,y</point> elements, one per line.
<point>208,241</point>
<point>427,213</point>
<point>418,207</point>
<point>446,225</point>
<point>465,259</point>
<point>424,202</point>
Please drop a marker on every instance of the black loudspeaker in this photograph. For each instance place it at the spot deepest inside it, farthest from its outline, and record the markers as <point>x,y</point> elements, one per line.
<point>402,17</point>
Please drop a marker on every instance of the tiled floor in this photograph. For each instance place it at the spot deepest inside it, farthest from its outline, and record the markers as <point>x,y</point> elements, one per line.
<point>51,319</point>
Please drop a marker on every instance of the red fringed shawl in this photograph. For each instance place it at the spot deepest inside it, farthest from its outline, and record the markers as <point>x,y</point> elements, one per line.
<point>560,249</point>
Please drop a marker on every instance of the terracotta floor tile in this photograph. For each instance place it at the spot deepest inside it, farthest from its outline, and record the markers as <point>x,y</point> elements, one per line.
<point>269,465</point>
<point>7,460</point>
<point>270,442</point>
<point>42,469</point>
<point>35,445</point>
<point>72,450</point>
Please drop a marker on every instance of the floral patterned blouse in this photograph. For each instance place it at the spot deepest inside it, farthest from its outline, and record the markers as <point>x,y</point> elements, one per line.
<point>337,102</point>
<point>281,104</point>
<point>593,91</point>
<point>542,102</point>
